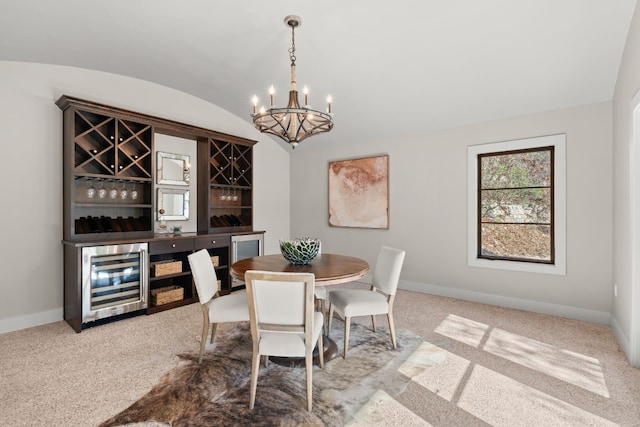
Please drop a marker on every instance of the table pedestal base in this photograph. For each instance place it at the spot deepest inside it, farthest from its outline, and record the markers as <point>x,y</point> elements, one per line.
<point>330,352</point>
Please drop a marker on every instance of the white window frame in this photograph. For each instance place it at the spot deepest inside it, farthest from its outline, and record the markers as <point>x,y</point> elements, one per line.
<point>560,200</point>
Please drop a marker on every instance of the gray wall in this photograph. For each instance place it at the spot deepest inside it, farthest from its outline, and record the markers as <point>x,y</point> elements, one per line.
<point>627,86</point>
<point>31,283</point>
<point>428,212</point>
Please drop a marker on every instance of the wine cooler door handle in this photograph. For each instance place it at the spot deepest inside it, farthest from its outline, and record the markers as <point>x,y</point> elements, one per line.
<point>234,251</point>
<point>144,270</point>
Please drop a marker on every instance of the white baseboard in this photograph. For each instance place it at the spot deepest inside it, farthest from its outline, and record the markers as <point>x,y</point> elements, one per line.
<point>622,338</point>
<point>28,321</point>
<point>593,316</point>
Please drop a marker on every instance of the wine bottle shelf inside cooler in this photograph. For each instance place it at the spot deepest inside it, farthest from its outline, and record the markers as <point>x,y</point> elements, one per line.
<point>115,280</point>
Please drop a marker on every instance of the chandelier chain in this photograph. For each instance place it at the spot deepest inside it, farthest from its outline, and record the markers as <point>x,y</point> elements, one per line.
<point>292,50</point>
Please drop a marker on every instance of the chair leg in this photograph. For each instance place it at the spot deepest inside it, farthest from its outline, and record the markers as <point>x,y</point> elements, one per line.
<point>321,350</point>
<point>213,331</point>
<point>373,322</point>
<point>308,362</point>
<point>203,338</point>
<point>392,329</point>
<point>205,331</point>
<point>324,314</point>
<point>347,324</point>
<point>331,309</point>
<point>255,367</point>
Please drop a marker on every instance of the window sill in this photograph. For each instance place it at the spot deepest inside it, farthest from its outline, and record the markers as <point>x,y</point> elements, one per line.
<point>527,267</point>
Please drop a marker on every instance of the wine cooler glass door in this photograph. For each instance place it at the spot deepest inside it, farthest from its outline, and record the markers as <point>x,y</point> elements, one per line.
<point>245,246</point>
<point>115,280</point>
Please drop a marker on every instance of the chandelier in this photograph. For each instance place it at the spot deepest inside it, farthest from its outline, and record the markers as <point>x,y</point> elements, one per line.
<point>292,123</point>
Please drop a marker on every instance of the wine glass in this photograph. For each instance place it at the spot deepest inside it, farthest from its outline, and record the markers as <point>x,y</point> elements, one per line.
<point>113,193</point>
<point>123,191</point>
<point>102,192</point>
<point>134,192</point>
<point>235,196</point>
<point>91,192</point>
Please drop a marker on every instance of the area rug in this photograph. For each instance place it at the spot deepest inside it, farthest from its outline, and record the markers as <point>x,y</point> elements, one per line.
<point>216,393</point>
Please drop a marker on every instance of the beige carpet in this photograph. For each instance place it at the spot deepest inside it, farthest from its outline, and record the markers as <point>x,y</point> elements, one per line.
<point>503,367</point>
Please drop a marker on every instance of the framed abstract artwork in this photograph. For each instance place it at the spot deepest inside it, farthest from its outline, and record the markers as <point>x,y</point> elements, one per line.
<point>359,192</point>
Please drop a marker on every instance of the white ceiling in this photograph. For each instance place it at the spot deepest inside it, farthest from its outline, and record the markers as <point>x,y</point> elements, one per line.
<point>392,68</point>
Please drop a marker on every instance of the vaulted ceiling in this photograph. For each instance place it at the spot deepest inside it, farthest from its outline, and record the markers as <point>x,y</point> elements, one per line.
<point>392,68</point>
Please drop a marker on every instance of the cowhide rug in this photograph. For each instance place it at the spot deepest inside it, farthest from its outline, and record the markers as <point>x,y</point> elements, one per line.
<point>216,393</point>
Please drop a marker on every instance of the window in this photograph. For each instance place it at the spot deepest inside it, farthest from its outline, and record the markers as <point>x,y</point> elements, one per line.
<point>515,205</point>
<point>516,213</point>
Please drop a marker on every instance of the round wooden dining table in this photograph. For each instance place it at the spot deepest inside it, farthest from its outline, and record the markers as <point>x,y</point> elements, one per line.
<point>328,269</point>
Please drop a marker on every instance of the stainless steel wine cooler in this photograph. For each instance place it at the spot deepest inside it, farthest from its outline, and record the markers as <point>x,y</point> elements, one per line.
<point>115,280</point>
<point>245,246</point>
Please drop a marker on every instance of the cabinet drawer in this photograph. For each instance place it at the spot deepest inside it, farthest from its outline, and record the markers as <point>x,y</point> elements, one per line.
<point>212,242</point>
<point>171,246</point>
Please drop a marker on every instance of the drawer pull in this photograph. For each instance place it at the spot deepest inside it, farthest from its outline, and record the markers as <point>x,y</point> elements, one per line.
<point>173,245</point>
<point>213,241</point>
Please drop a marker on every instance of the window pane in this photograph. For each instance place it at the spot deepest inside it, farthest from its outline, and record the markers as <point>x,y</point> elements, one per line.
<point>523,205</point>
<point>516,241</point>
<point>525,169</point>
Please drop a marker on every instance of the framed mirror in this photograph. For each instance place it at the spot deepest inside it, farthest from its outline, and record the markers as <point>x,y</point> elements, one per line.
<point>175,204</point>
<point>173,169</point>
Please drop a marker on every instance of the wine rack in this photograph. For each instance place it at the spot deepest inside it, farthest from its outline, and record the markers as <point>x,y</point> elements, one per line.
<point>111,147</point>
<point>229,179</point>
<point>108,173</point>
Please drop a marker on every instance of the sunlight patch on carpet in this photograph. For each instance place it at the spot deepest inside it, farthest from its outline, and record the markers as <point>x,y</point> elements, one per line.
<point>383,409</point>
<point>499,400</point>
<point>573,368</point>
<point>445,379</point>
<point>568,366</point>
<point>494,397</point>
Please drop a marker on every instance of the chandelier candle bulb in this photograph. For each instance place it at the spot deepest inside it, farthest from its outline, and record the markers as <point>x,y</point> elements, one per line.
<point>255,103</point>
<point>272,92</point>
<point>329,104</point>
<point>305,90</point>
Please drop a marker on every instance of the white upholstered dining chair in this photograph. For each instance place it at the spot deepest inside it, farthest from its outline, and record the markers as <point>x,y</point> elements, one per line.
<point>283,321</point>
<point>215,308</point>
<point>364,302</point>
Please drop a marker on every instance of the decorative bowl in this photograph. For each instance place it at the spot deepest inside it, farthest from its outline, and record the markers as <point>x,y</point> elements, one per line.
<point>300,250</point>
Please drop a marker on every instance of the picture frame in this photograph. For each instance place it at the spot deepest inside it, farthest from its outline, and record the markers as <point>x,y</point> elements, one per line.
<point>359,192</point>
